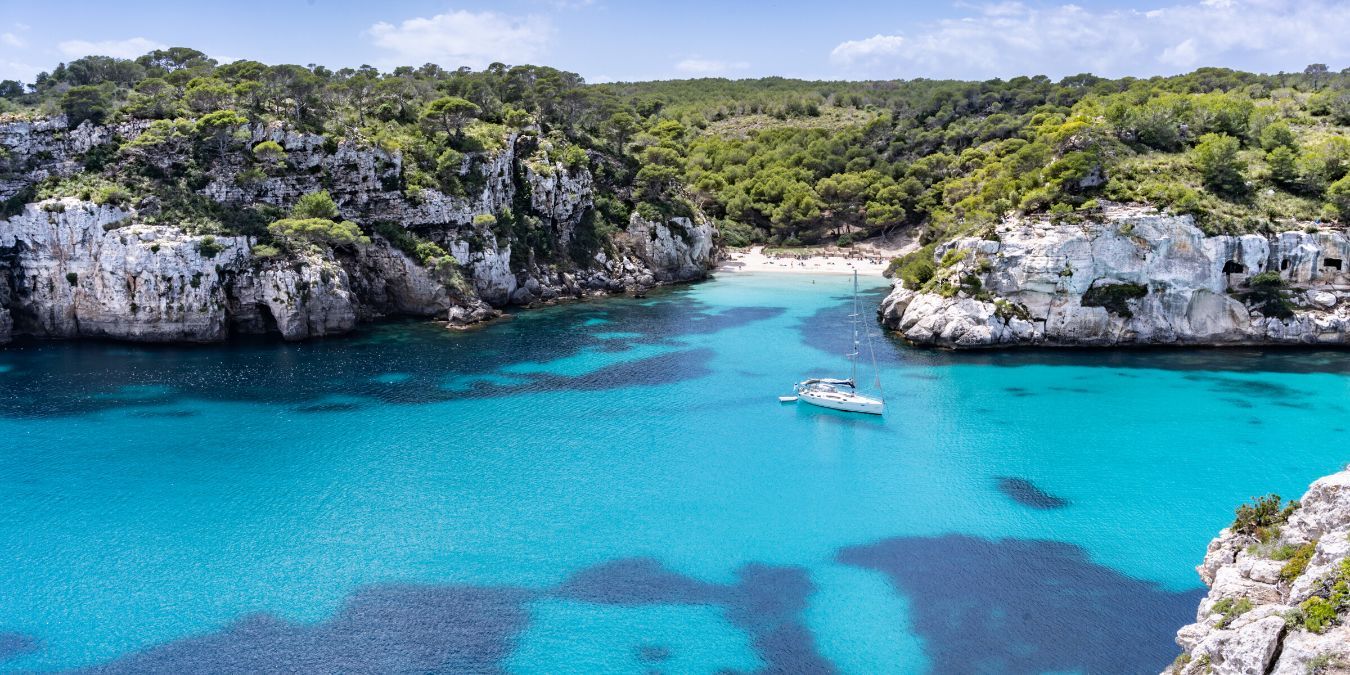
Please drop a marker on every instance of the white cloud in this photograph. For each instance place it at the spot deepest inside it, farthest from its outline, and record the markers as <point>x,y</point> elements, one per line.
<point>122,49</point>
<point>1011,38</point>
<point>871,49</point>
<point>12,40</point>
<point>698,66</point>
<point>463,38</point>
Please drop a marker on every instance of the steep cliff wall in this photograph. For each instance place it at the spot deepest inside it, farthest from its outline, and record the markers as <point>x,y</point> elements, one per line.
<point>72,268</point>
<point>1278,601</point>
<point>1132,278</point>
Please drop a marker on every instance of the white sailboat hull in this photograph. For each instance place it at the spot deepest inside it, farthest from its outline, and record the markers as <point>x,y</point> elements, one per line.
<point>842,400</point>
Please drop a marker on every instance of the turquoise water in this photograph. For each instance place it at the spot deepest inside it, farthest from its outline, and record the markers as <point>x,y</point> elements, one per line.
<point>613,487</point>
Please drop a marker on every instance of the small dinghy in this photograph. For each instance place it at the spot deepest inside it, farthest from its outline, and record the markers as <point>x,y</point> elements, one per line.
<point>786,399</point>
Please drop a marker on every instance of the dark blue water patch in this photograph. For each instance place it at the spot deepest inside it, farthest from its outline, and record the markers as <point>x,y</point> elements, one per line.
<point>1074,390</point>
<point>1020,392</point>
<point>1026,606</point>
<point>652,653</point>
<point>829,329</point>
<point>381,629</point>
<point>327,408</point>
<point>82,377</point>
<point>1027,493</point>
<point>1245,387</point>
<point>766,602</point>
<point>14,645</point>
<point>654,370</point>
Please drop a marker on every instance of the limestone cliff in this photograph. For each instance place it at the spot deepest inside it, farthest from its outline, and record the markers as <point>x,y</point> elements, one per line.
<point>1278,600</point>
<point>1133,277</point>
<point>73,268</point>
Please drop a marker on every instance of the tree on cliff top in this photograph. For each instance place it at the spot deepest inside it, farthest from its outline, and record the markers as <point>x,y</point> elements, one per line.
<point>315,205</point>
<point>1216,156</point>
<point>451,113</point>
<point>86,102</point>
<point>314,219</point>
<point>220,128</point>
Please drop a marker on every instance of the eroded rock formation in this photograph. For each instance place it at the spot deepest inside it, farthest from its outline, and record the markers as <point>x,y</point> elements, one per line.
<point>1034,282</point>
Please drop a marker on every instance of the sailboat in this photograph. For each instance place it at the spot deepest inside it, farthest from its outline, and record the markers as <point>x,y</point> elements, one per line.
<point>840,394</point>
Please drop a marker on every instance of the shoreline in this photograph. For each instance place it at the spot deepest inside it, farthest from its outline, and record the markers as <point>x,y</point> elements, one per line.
<point>755,260</point>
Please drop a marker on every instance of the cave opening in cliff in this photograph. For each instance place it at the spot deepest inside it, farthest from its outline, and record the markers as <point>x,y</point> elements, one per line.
<point>1332,262</point>
<point>269,322</point>
<point>1234,267</point>
<point>1284,264</point>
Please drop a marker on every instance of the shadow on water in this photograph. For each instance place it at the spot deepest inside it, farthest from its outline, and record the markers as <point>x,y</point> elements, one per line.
<point>766,602</point>
<point>14,645</point>
<point>1027,493</point>
<point>1007,606</point>
<point>1027,606</point>
<point>381,629</point>
<point>397,362</point>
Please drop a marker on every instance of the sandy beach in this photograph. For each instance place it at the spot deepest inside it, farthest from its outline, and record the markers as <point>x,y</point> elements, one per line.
<point>755,260</point>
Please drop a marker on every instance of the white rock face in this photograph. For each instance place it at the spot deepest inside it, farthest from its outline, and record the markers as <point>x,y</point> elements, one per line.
<point>1261,640</point>
<point>676,250</point>
<point>80,273</point>
<point>129,277</point>
<point>1032,283</point>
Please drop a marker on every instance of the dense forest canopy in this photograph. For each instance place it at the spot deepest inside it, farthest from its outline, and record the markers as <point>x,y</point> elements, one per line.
<point>776,160</point>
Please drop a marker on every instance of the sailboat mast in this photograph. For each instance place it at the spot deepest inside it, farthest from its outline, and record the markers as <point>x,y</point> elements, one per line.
<point>853,356</point>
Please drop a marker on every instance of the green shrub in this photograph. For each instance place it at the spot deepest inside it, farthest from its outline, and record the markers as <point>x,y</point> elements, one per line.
<point>208,247</point>
<point>113,194</point>
<point>1114,297</point>
<point>736,234</point>
<point>269,152</point>
<point>1216,157</point>
<point>845,239</point>
<point>1267,293</point>
<point>1230,609</point>
<point>1262,513</point>
<point>318,231</point>
<point>573,157</point>
<point>953,256</point>
<point>315,205</point>
<point>266,251</point>
<point>1298,561</point>
<point>650,212</point>
<point>1318,614</point>
<point>484,220</point>
<point>915,268</point>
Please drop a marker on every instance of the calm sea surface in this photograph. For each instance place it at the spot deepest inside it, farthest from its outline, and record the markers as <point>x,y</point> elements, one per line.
<point>613,487</point>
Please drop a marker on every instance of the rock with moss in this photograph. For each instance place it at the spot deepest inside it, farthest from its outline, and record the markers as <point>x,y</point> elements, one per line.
<point>1279,598</point>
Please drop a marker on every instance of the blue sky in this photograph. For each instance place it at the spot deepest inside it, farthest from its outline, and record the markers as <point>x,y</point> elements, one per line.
<point>607,40</point>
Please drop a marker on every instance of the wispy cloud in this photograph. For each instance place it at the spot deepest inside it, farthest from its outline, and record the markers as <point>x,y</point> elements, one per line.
<point>122,49</point>
<point>1012,38</point>
<point>463,38</point>
<point>697,66</point>
<point>12,40</point>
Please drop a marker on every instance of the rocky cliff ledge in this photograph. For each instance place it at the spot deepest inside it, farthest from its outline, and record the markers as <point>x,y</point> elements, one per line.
<point>1279,599</point>
<point>1133,277</point>
<point>70,267</point>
